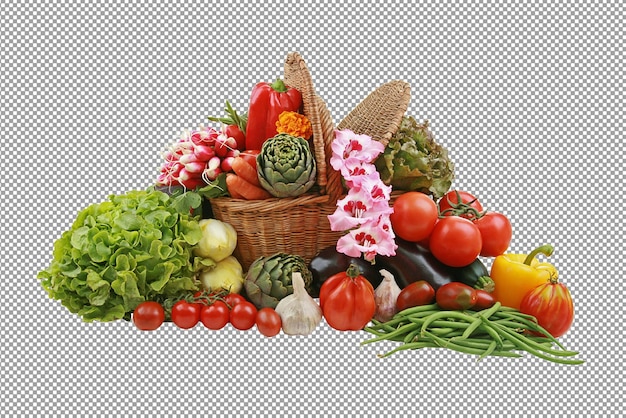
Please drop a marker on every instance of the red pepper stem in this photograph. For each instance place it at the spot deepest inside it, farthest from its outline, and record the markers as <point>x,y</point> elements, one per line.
<point>353,271</point>
<point>545,249</point>
<point>279,86</point>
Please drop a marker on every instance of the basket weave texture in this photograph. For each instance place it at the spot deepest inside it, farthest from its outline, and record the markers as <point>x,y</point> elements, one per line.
<point>299,225</point>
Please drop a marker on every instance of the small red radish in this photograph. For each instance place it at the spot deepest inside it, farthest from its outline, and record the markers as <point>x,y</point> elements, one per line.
<point>213,169</point>
<point>227,164</point>
<point>203,152</point>
<point>195,167</point>
<point>223,144</point>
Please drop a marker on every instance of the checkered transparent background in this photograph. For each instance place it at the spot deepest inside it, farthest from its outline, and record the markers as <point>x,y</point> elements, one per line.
<point>528,97</point>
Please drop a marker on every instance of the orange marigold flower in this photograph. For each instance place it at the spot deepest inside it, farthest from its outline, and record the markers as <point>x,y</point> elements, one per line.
<point>294,123</point>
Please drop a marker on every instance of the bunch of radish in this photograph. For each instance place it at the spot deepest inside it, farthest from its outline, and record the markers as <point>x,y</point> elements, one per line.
<point>197,158</point>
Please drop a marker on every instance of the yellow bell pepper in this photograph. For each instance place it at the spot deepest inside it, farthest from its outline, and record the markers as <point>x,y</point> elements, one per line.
<point>515,275</point>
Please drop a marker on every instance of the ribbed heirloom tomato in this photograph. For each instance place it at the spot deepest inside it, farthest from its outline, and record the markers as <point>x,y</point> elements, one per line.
<point>551,303</point>
<point>347,300</point>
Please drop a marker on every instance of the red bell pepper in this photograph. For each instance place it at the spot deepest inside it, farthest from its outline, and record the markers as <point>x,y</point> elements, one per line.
<point>267,102</point>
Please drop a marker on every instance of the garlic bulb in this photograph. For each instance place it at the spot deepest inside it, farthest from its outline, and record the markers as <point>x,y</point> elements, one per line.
<point>299,312</point>
<point>386,295</point>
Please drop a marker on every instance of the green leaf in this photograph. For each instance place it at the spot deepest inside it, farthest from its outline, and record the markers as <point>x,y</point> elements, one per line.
<point>117,253</point>
<point>216,188</point>
<point>186,201</point>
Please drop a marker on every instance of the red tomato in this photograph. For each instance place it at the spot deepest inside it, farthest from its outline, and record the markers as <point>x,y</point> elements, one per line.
<point>268,322</point>
<point>551,303</point>
<point>455,241</point>
<point>414,216</point>
<point>250,156</point>
<point>347,300</point>
<point>496,232</point>
<point>185,315</point>
<point>243,315</point>
<point>449,202</point>
<point>233,299</point>
<point>415,294</point>
<point>215,316</point>
<point>484,300</point>
<point>148,316</point>
<point>456,296</point>
<point>234,132</point>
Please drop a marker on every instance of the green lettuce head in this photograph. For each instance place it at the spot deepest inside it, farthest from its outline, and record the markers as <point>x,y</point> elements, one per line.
<point>414,161</point>
<point>121,252</point>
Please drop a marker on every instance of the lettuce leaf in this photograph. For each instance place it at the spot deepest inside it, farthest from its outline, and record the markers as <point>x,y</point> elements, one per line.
<point>133,247</point>
<point>412,160</point>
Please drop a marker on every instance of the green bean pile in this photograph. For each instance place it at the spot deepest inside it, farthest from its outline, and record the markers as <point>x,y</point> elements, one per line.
<point>496,331</point>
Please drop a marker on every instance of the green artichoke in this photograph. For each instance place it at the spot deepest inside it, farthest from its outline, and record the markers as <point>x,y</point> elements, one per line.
<point>286,166</point>
<point>269,278</point>
<point>414,161</point>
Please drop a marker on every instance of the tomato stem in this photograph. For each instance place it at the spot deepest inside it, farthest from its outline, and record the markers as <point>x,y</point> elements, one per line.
<point>353,271</point>
<point>545,249</point>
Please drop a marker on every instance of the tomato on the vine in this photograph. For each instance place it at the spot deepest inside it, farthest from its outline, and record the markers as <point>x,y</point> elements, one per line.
<point>496,232</point>
<point>243,315</point>
<point>185,315</point>
<point>450,201</point>
<point>414,216</point>
<point>215,316</point>
<point>148,316</point>
<point>455,241</point>
<point>233,299</point>
<point>268,322</point>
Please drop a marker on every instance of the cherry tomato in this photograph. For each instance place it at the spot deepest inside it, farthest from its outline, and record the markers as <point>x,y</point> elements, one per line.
<point>496,232</point>
<point>215,316</point>
<point>235,132</point>
<point>250,156</point>
<point>233,299</point>
<point>414,216</point>
<point>415,294</point>
<point>484,300</point>
<point>456,296</point>
<point>185,315</point>
<point>268,322</point>
<point>148,316</point>
<point>455,241</point>
<point>551,303</point>
<point>243,315</point>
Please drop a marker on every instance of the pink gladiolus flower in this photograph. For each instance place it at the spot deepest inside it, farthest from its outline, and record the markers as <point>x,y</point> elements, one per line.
<point>365,210</point>
<point>347,145</point>
<point>368,240</point>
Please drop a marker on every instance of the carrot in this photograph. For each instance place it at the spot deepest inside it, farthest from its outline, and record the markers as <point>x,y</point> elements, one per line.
<point>245,170</point>
<point>238,186</point>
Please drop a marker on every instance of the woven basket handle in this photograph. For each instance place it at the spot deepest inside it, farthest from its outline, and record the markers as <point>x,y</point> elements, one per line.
<point>297,75</point>
<point>379,115</point>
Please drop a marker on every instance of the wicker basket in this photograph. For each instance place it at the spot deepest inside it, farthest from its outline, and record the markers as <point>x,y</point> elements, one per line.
<point>300,225</point>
